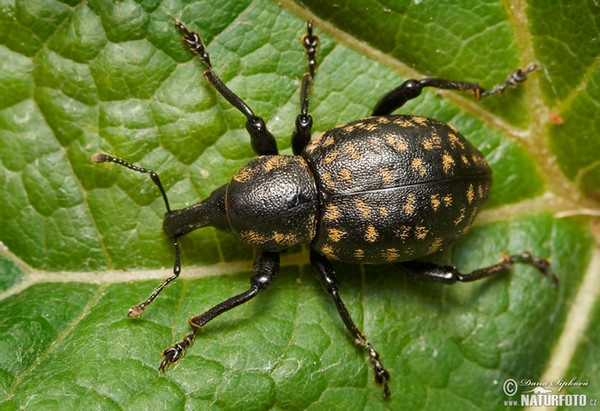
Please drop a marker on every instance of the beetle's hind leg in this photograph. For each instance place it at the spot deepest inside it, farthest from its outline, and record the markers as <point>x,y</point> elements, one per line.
<point>304,121</point>
<point>261,139</point>
<point>450,275</point>
<point>412,88</point>
<point>329,281</point>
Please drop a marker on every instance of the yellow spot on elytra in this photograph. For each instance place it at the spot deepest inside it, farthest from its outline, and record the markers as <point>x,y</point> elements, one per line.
<point>435,246</point>
<point>332,212</point>
<point>391,254</point>
<point>470,193</point>
<point>447,163</point>
<point>409,205</point>
<point>314,143</point>
<point>329,252</point>
<point>313,231</point>
<point>383,120</point>
<point>335,235</point>
<point>328,141</point>
<point>464,159</point>
<point>454,140</point>
<point>403,232</point>
<point>433,143</point>
<point>478,159</point>
<point>351,151</point>
<point>358,253</point>
<point>371,234</point>
<point>327,180</point>
<point>447,200</point>
<point>435,201</point>
<point>460,217</point>
<point>419,166</point>
<point>480,190</point>
<point>330,157</point>
<point>374,144</point>
<point>386,175</point>
<point>370,126</point>
<point>365,209</point>
<point>383,211</point>
<point>349,128</point>
<point>318,139</point>
<point>421,232</point>
<point>396,142</point>
<point>345,175</point>
<point>422,121</point>
<point>402,122</point>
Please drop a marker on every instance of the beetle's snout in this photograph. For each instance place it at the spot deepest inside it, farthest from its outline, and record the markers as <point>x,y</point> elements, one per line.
<point>210,212</point>
<point>174,224</point>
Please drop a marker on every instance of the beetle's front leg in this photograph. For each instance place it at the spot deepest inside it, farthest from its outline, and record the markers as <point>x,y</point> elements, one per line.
<point>329,281</point>
<point>264,270</point>
<point>261,139</point>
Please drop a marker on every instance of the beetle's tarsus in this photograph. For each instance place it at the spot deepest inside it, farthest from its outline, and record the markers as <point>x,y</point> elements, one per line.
<point>382,377</point>
<point>541,264</point>
<point>514,78</point>
<point>451,275</point>
<point>173,354</point>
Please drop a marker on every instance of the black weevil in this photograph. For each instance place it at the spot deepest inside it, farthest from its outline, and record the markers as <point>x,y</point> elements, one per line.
<point>383,189</point>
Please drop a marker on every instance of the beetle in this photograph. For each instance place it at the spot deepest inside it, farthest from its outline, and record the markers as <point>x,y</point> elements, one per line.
<point>383,189</point>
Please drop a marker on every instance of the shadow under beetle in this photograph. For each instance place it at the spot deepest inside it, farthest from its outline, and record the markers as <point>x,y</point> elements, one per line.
<point>383,189</point>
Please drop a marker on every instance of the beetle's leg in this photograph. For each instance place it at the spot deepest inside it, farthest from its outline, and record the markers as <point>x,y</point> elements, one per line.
<point>137,310</point>
<point>261,139</point>
<point>329,281</point>
<point>304,121</point>
<point>264,270</point>
<point>450,275</point>
<point>412,88</point>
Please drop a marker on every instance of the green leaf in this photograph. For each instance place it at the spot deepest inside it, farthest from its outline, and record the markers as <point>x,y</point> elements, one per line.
<point>83,242</point>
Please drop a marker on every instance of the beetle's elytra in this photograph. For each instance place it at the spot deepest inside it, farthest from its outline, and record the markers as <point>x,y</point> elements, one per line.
<point>383,189</point>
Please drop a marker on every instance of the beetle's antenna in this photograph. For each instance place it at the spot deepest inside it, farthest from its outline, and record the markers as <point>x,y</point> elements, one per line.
<point>106,158</point>
<point>137,310</point>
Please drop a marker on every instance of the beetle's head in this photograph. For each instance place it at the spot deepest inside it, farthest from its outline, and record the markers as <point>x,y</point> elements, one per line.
<point>271,203</point>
